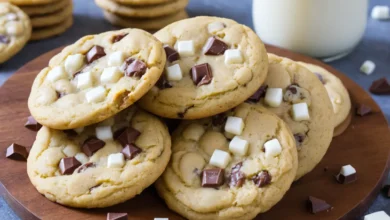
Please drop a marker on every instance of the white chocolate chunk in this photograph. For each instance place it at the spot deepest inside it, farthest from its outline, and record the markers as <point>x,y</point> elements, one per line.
<point>84,80</point>
<point>381,215</point>
<point>111,75</point>
<point>238,146</point>
<point>272,148</point>
<point>233,56</point>
<point>56,73</point>
<point>220,159</point>
<point>274,97</point>
<point>116,59</point>
<point>14,28</point>
<point>215,27</point>
<point>368,67</point>
<point>104,133</point>
<point>115,160</point>
<point>95,95</point>
<point>69,151</point>
<point>300,112</point>
<point>82,158</point>
<point>79,130</point>
<point>347,170</point>
<point>73,63</point>
<point>193,132</point>
<point>174,73</point>
<point>186,48</point>
<point>64,86</point>
<point>234,125</point>
<point>380,12</point>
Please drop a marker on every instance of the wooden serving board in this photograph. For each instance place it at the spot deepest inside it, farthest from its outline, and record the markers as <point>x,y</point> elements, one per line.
<point>365,145</point>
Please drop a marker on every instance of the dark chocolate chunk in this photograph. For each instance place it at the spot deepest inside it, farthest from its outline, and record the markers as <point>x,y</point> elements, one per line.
<point>219,119</point>
<point>130,151</point>
<point>201,74</point>
<point>68,165</point>
<point>172,54</point>
<point>262,179</point>
<point>213,177</point>
<point>163,83</point>
<point>70,133</point>
<point>299,138</point>
<point>292,89</point>
<point>237,178</point>
<point>316,205</point>
<point>380,87</point>
<point>215,46</point>
<point>119,37</point>
<point>95,53</point>
<point>197,172</point>
<point>91,145</point>
<point>182,114</point>
<point>126,135</point>
<point>16,152</point>
<point>4,39</point>
<point>363,110</point>
<point>32,124</point>
<point>85,166</point>
<point>386,190</point>
<point>258,94</point>
<point>346,179</point>
<point>319,76</point>
<point>133,67</point>
<point>117,216</point>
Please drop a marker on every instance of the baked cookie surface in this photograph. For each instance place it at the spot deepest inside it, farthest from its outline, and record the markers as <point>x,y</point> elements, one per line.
<point>95,78</point>
<point>142,2</point>
<point>337,92</point>
<point>46,8</point>
<point>298,97</point>
<point>38,21</point>
<point>100,165</point>
<point>214,64</point>
<point>231,166</point>
<point>15,30</point>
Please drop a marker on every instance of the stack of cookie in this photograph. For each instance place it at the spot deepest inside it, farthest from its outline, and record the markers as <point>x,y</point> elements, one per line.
<point>258,121</point>
<point>48,17</point>
<point>143,14</point>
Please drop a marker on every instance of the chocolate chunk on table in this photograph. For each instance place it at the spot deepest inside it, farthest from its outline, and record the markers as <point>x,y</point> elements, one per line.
<point>316,205</point>
<point>133,67</point>
<point>346,179</point>
<point>130,151</point>
<point>260,93</point>
<point>212,177</point>
<point>91,145</point>
<point>95,53</point>
<point>117,216</point>
<point>215,46</point>
<point>32,124</point>
<point>126,135</point>
<point>363,110</point>
<point>68,165</point>
<point>201,74</point>
<point>16,152</point>
<point>172,54</point>
<point>262,179</point>
<point>380,87</point>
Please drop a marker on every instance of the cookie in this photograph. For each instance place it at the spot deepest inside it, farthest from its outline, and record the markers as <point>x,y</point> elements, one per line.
<point>100,165</point>
<point>149,24</point>
<point>95,78</point>
<point>298,97</point>
<point>32,10</point>
<point>149,11</point>
<point>143,2</point>
<point>214,65</point>
<point>15,30</point>
<point>51,31</point>
<point>38,21</point>
<point>338,94</point>
<point>231,166</point>
<point>29,2</point>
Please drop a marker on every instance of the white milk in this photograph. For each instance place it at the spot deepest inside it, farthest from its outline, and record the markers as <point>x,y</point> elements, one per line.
<point>319,28</point>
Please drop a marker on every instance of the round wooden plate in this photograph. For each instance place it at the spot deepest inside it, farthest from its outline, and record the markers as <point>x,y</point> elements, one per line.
<point>364,145</point>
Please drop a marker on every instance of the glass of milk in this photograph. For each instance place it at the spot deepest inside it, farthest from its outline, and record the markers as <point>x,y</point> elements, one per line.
<point>327,29</point>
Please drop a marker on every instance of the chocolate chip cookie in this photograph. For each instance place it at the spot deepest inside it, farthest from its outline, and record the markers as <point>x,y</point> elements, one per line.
<point>102,164</point>
<point>95,78</point>
<point>15,30</point>
<point>214,64</point>
<point>298,97</point>
<point>231,166</point>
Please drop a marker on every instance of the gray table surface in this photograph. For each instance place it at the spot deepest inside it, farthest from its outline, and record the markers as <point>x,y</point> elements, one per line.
<point>89,20</point>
